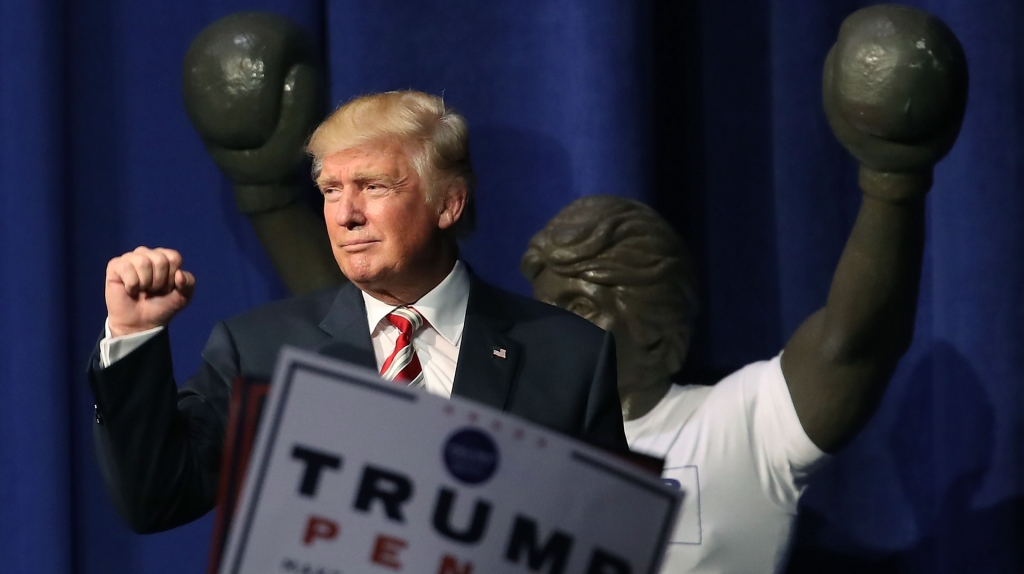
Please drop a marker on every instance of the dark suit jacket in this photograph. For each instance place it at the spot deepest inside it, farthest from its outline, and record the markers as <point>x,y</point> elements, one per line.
<point>160,447</point>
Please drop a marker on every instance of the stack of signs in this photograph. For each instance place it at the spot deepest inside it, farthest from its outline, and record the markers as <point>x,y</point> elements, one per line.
<point>247,399</point>
<point>351,474</point>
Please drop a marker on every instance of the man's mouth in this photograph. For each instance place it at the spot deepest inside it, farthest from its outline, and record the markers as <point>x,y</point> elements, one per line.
<point>357,244</point>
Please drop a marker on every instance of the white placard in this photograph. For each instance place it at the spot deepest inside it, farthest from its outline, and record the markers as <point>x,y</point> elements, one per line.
<point>354,475</point>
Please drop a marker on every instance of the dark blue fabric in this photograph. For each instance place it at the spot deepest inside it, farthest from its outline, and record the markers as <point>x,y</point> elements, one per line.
<point>557,94</point>
<point>708,110</point>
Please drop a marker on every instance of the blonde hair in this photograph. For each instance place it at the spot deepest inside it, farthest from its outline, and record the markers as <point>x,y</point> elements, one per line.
<point>440,134</point>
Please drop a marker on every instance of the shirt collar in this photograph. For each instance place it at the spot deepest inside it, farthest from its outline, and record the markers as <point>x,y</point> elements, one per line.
<point>443,307</point>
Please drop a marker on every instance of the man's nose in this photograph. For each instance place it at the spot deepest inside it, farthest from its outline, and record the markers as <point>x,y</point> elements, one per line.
<point>350,211</point>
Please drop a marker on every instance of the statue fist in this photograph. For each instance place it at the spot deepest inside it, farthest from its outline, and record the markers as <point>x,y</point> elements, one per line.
<point>145,289</point>
<point>253,94</point>
<point>895,88</point>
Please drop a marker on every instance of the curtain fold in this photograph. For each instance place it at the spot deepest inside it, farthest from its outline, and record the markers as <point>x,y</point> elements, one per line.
<point>36,526</point>
<point>557,95</point>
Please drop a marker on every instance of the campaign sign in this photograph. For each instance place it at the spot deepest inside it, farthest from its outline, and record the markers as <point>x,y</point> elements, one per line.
<point>352,474</point>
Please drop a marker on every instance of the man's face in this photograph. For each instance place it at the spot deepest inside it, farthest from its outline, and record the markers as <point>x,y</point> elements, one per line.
<point>384,233</point>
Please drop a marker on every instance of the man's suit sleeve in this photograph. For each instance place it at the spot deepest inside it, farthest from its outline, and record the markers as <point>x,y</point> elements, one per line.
<point>159,448</point>
<point>604,409</point>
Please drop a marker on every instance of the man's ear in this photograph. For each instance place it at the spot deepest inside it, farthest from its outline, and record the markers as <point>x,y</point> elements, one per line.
<point>453,201</point>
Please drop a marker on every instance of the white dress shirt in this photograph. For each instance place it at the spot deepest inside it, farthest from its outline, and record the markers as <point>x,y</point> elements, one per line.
<point>437,343</point>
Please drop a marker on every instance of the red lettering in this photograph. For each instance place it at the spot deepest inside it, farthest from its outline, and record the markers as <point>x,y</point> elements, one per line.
<point>320,527</point>
<point>449,565</point>
<point>385,551</point>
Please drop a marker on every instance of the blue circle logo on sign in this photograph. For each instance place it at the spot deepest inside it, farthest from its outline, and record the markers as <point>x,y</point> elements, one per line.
<point>471,455</point>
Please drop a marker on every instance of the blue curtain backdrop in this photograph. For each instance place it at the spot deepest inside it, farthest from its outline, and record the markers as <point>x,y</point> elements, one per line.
<point>708,110</point>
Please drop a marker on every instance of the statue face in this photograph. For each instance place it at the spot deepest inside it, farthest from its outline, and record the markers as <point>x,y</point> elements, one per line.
<point>638,367</point>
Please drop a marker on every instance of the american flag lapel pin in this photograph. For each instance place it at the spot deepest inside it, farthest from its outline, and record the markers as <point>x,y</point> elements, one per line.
<point>498,352</point>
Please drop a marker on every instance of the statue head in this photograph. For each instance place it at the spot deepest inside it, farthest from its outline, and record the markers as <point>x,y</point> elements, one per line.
<point>617,263</point>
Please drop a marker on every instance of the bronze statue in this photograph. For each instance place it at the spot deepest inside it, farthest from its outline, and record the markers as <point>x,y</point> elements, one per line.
<point>895,92</point>
<point>252,91</point>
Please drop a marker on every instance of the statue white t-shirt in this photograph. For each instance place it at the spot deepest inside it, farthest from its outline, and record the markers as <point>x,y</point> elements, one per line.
<point>740,454</point>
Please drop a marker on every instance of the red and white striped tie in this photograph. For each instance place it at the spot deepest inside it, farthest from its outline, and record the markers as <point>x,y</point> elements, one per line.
<point>403,366</point>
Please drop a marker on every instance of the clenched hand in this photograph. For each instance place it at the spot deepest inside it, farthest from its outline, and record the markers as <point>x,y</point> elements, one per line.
<point>146,288</point>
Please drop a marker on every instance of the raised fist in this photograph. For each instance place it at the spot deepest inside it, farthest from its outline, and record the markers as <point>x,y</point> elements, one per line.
<point>895,88</point>
<point>145,289</point>
<point>253,94</point>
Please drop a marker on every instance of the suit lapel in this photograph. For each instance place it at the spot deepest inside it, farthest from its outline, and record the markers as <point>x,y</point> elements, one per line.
<point>488,358</point>
<point>346,324</point>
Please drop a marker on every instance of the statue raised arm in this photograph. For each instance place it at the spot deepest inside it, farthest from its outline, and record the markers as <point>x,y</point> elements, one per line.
<point>895,92</point>
<point>252,91</point>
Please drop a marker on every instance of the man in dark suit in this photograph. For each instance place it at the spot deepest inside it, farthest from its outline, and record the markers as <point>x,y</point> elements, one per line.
<point>397,183</point>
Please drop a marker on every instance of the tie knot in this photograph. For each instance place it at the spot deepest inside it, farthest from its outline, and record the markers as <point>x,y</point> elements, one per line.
<point>406,319</point>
